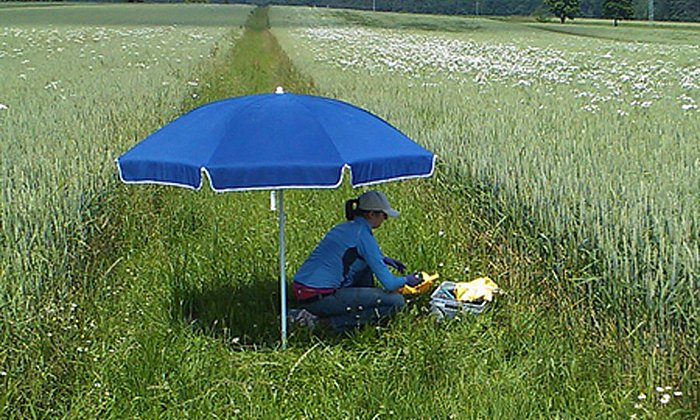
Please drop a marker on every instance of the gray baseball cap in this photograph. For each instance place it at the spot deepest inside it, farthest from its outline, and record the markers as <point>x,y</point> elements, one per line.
<point>376,201</point>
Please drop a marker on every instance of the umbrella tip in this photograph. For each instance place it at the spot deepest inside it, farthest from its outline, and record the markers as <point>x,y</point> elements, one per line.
<point>279,89</point>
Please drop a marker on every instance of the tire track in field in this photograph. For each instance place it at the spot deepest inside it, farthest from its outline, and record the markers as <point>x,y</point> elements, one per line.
<point>170,218</point>
<point>255,64</point>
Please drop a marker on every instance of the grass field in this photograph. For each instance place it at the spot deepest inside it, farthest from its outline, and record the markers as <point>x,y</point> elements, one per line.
<point>588,144</point>
<point>120,301</point>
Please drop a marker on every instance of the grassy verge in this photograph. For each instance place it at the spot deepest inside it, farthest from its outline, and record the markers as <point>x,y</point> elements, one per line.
<point>256,64</point>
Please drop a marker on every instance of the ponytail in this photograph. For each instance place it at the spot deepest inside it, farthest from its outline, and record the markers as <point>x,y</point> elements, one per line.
<point>351,209</point>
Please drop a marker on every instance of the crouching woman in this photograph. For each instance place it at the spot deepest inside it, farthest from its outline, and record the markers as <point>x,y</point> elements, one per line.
<point>336,282</point>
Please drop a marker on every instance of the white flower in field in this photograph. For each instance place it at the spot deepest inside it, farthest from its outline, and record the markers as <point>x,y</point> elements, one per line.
<point>688,107</point>
<point>677,394</point>
<point>659,389</point>
<point>3,373</point>
<point>194,96</point>
<point>665,399</point>
<point>641,396</point>
<point>3,106</point>
<point>52,85</point>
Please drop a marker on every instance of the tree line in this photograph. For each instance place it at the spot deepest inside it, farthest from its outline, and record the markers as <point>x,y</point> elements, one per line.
<point>675,10</point>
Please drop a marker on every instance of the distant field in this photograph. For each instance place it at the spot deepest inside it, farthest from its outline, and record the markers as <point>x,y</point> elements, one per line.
<point>628,31</point>
<point>119,15</point>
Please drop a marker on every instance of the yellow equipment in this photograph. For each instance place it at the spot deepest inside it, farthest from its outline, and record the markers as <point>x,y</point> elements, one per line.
<point>482,288</point>
<point>421,288</point>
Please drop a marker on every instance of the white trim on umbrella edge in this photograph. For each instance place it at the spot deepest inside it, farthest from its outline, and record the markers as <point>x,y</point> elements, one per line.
<point>276,187</point>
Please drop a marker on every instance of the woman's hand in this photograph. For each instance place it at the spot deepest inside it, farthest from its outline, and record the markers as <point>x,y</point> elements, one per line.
<point>414,279</point>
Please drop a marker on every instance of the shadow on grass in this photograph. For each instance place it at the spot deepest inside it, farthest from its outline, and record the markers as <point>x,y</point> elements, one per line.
<point>246,314</point>
<point>239,312</point>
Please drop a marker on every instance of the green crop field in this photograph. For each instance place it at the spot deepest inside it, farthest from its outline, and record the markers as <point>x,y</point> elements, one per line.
<point>591,145</point>
<point>569,161</point>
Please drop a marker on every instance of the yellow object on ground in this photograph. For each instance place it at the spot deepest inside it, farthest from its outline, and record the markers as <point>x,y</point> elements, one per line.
<point>482,288</point>
<point>421,288</point>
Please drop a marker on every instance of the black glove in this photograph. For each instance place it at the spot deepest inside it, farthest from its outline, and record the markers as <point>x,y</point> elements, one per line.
<point>414,279</point>
<point>401,267</point>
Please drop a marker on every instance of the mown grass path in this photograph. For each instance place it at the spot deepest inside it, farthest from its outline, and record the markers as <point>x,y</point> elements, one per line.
<point>256,64</point>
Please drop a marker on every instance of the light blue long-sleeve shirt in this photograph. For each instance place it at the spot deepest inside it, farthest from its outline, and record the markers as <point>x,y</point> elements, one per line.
<point>347,251</point>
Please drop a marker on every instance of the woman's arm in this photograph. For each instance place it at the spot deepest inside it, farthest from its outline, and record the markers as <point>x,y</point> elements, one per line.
<point>369,250</point>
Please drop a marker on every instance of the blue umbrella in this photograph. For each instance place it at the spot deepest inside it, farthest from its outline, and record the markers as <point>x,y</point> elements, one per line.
<point>274,142</point>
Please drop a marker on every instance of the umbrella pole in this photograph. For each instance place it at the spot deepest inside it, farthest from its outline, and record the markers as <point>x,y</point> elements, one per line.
<point>283,280</point>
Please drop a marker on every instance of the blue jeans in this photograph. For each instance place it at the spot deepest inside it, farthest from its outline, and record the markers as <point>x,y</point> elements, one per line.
<point>360,304</point>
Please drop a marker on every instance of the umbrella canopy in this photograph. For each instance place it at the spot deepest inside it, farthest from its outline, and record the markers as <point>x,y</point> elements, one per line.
<point>275,141</point>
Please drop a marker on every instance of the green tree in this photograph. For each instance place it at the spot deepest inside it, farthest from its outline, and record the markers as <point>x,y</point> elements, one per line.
<point>592,8</point>
<point>564,9</point>
<point>684,10</point>
<point>618,9</point>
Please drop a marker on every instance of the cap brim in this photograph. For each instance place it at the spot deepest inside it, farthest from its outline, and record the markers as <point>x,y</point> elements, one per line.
<point>391,213</point>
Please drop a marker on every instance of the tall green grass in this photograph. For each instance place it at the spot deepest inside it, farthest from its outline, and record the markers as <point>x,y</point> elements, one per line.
<point>606,192</point>
<point>75,96</point>
<point>177,316</point>
<point>206,278</point>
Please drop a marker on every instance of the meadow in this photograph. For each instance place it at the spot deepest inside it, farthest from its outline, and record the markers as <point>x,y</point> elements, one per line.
<point>137,301</point>
<point>590,145</point>
<point>77,90</point>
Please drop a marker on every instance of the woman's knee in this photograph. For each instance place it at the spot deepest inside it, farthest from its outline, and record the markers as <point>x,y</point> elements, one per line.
<point>394,300</point>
